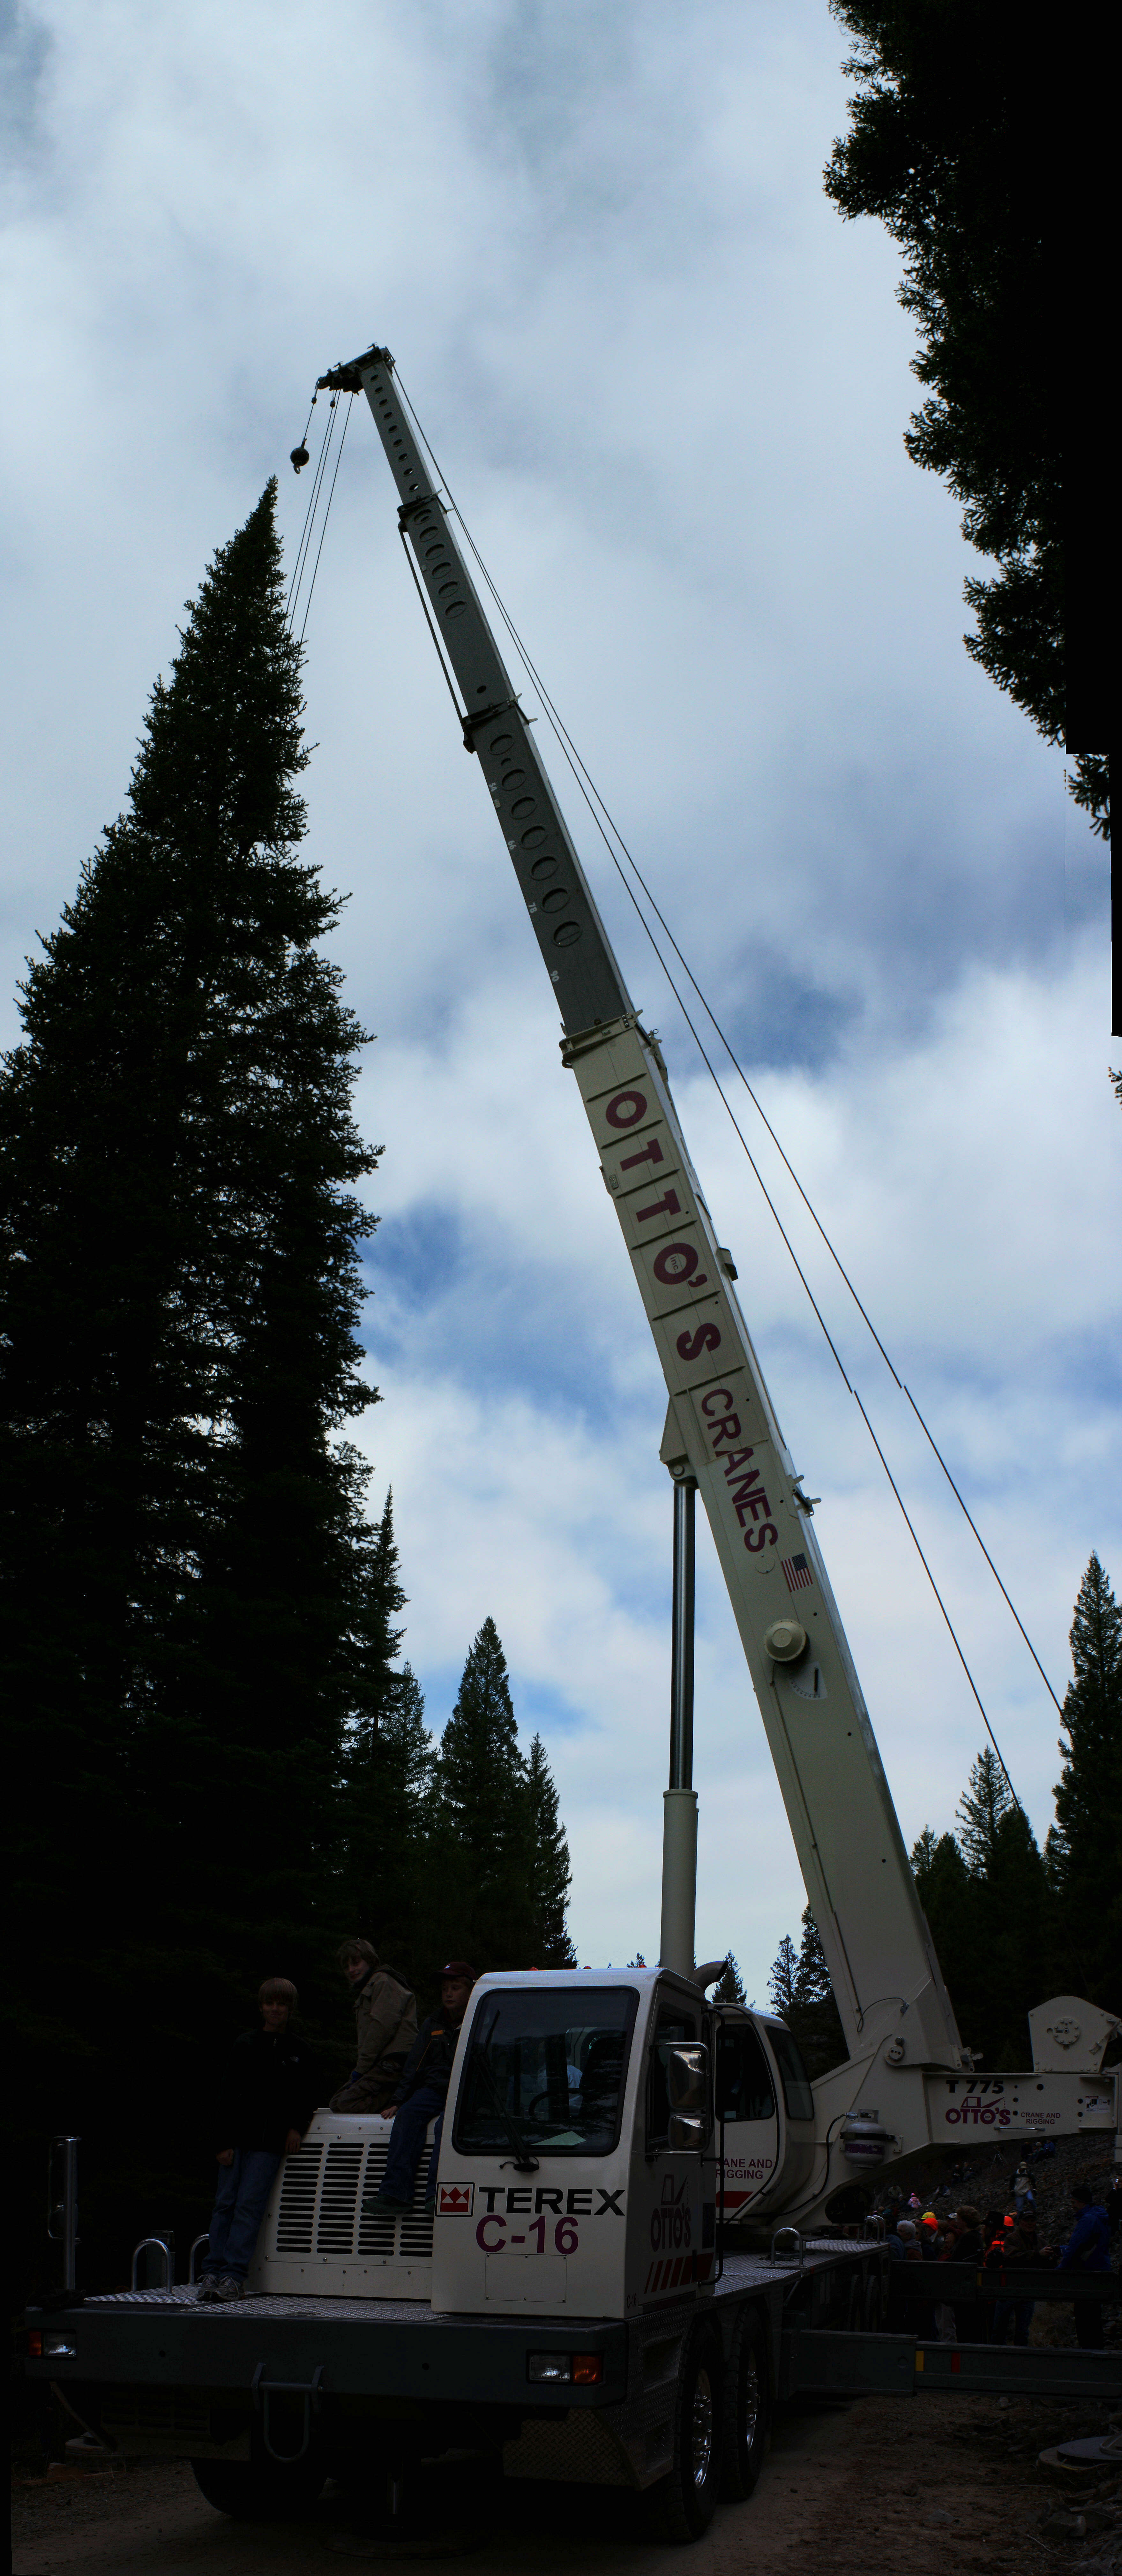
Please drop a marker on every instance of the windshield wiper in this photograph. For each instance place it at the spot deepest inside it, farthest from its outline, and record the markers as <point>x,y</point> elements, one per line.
<point>524,2162</point>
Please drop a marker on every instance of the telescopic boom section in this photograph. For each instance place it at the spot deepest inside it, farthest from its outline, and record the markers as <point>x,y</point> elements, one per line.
<point>721,1427</point>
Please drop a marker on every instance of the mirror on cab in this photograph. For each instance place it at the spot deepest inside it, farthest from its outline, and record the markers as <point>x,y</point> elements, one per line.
<point>687,2089</point>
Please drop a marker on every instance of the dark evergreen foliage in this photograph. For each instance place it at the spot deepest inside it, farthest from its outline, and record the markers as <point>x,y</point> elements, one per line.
<point>501,1861</point>
<point>782,1984</point>
<point>222,1769</point>
<point>187,1573</point>
<point>550,1873</point>
<point>949,147</point>
<point>986,1897</point>
<point>729,1988</point>
<point>802,1996</point>
<point>1084,1846</point>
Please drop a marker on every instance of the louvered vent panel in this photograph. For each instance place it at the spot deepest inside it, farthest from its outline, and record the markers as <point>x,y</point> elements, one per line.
<point>338,2200</point>
<point>297,2210</point>
<point>376,2231</point>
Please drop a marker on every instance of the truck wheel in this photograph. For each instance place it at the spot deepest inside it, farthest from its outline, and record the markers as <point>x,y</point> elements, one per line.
<point>251,2494</point>
<point>686,2500</point>
<point>747,2409</point>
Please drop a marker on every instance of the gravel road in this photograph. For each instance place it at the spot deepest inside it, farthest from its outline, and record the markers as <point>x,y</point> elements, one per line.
<point>883,2487</point>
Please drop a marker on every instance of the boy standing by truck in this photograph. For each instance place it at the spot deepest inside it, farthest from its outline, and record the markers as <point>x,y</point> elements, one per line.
<point>267,2098</point>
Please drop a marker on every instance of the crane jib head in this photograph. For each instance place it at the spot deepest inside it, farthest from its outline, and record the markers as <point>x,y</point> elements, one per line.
<point>345,378</point>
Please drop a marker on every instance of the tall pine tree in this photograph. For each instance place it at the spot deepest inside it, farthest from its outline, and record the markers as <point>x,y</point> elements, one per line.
<point>1084,1844</point>
<point>187,1573</point>
<point>481,1820</point>
<point>550,1873</point>
<point>802,1996</point>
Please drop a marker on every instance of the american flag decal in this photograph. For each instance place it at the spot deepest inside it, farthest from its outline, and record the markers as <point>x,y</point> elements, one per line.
<point>796,1573</point>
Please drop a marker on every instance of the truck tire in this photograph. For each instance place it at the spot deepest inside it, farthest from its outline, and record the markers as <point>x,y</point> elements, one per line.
<point>253,2494</point>
<point>686,2500</point>
<point>747,2408</point>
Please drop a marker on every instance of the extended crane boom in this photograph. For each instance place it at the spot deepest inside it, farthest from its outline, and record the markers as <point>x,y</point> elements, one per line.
<point>721,1425</point>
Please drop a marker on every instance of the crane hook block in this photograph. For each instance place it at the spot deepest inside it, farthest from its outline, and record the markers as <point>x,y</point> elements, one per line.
<point>299,458</point>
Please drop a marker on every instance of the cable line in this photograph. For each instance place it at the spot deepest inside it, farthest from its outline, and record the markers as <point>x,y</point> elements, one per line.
<point>598,809</point>
<point>941,1602</point>
<point>309,520</point>
<point>327,511</point>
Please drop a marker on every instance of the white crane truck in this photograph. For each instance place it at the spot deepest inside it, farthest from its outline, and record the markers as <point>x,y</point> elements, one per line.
<point>634,2246</point>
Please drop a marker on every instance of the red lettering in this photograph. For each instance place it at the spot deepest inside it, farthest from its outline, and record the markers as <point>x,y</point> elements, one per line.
<point>626,1109</point>
<point>755,1504</point>
<point>671,1205</point>
<point>675,1263</point>
<point>737,1458</point>
<point>708,1402</point>
<point>490,2244</point>
<point>690,1346</point>
<point>651,1153</point>
<point>755,1539</point>
<point>742,1491</point>
<point>729,1430</point>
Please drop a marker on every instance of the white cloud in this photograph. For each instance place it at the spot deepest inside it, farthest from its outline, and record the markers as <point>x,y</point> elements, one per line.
<point>669,387</point>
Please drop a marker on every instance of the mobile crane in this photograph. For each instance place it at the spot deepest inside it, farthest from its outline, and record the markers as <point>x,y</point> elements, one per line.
<point>593,2292</point>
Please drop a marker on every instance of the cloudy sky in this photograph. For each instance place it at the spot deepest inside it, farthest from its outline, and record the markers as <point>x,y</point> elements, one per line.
<point>668,386</point>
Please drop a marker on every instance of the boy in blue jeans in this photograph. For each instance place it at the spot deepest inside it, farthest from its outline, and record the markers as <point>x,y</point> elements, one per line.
<point>422,2092</point>
<point>268,2097</point>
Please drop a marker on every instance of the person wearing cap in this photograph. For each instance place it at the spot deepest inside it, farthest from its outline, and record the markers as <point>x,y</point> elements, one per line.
<point>422,2091</point>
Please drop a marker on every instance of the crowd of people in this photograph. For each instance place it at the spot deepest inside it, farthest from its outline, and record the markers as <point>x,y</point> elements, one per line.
<point>268,2090</point>
<point>1005,2239</point>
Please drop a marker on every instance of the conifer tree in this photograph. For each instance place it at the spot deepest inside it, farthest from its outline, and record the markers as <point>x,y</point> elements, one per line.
<point>945,149</point>
<point>481,1818</point>
<point>187,1573</point>
<point>729,1988</point>
<point>1085,1842</point>
<point>816,2020</point>
<point>952,1902</point>
<point>783,1981</point>
<point>803,1997</point>
<point>550,1873</point>
<point>981,1807</point>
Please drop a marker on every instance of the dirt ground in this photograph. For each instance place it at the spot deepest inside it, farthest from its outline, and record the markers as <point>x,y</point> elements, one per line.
<point>881,2487</point>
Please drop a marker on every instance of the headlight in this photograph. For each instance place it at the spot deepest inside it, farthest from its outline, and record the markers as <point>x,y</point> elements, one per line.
<point>58,2347</point>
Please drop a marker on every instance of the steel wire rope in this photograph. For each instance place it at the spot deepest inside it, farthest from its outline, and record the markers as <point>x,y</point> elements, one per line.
<point>327,512</point>
<point>595,801</point>
<point>300,565</point>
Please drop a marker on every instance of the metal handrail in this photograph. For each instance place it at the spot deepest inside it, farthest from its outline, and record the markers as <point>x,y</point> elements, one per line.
<point>166,2245</point>
<point>204,2239</point>
<point>790,2237</point>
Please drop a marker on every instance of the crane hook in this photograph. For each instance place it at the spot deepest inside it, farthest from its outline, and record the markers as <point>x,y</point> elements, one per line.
<point>299,458</point>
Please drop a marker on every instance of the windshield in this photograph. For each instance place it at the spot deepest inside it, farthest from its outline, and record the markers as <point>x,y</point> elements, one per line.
<point>554,2063</point>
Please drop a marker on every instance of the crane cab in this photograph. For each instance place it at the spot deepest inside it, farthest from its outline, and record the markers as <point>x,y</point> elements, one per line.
<point>765,2107</point>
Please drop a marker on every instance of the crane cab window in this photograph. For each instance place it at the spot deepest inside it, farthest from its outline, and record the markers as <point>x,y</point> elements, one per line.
<point>671,2026</point>
<point>793,2075</point>
<point>745,2090</point>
